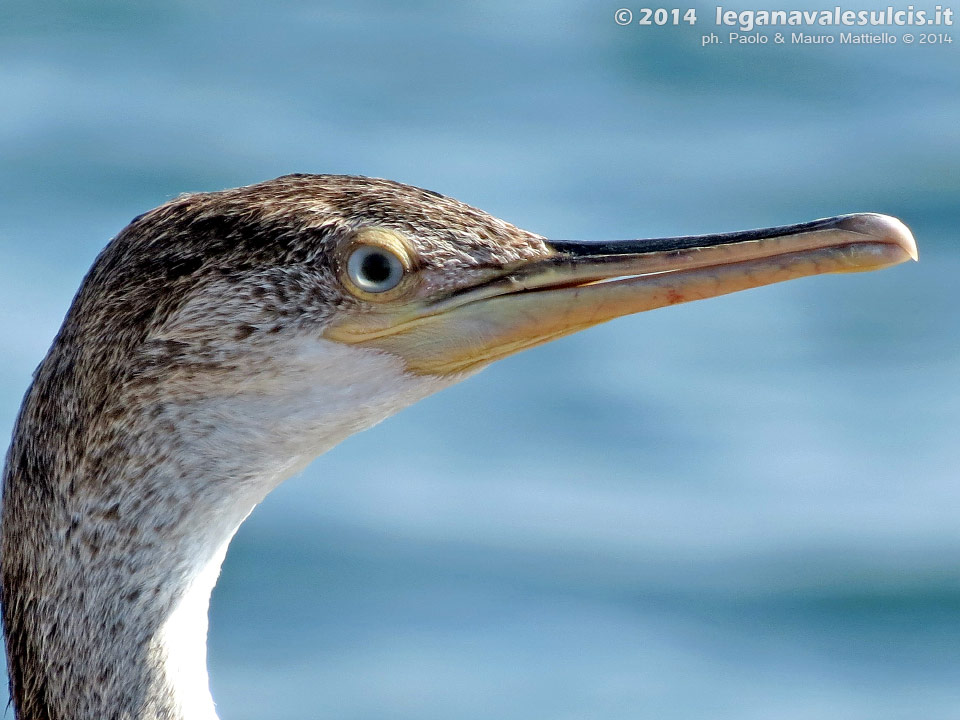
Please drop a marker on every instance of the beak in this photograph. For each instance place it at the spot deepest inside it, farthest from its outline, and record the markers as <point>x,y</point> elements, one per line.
<point>581,284</point>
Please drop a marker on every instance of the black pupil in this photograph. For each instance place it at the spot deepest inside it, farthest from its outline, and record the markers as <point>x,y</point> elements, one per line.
<point>376,267</point>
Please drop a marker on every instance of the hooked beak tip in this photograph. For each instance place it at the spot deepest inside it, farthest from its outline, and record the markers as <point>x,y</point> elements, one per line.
<point>884,228</point>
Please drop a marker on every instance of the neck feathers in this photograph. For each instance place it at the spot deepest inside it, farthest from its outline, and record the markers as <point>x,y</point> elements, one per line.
<point>120,500</point>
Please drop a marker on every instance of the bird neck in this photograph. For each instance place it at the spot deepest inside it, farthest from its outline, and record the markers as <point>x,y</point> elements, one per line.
<point>106,601</point>
<point>117,516</point>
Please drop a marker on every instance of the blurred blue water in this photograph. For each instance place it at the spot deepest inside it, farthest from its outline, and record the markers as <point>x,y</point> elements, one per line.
<point>744,508</point>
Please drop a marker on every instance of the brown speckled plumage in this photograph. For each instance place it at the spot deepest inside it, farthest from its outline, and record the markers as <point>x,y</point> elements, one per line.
<point>224,340</point>
<point>189,299</point>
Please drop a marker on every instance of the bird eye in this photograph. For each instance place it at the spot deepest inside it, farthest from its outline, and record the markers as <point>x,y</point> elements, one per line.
<point>374,269</point>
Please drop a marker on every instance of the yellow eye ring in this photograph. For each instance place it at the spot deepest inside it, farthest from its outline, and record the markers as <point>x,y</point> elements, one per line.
<point>376,264</point>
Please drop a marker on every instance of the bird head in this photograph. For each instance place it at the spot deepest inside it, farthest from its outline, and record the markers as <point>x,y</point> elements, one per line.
<point>317,297</point>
